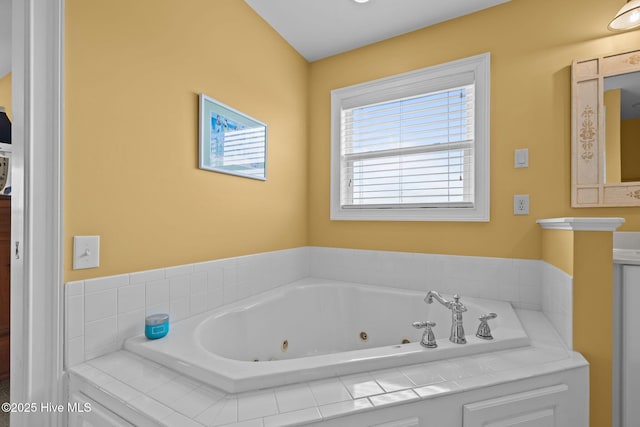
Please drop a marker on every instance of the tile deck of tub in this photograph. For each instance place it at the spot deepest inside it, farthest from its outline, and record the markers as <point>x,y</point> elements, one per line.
<point>165,397</point>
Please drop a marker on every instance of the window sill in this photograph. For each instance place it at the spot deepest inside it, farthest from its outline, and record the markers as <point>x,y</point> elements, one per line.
<point>424,214</point>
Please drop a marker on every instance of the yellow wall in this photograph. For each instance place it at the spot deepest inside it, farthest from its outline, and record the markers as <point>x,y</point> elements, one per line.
<point>133,71</point>
<point>557,249</point>
<point>630,149</point>
<point>131,129</point>
<point>612,135</point>
<point>5,94</point>
<point>532,44</point>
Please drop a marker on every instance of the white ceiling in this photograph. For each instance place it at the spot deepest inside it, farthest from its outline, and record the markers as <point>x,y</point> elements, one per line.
<point>321,28</point>
<point>5,37</point>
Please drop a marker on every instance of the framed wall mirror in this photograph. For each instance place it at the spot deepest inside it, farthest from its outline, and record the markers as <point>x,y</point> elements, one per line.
<point>605,131</point>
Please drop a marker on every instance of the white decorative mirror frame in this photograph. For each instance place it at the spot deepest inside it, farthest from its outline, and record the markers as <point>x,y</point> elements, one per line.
<point>589,186</point>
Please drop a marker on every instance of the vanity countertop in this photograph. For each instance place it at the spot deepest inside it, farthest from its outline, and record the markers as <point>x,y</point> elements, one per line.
<point>626,247</point>
<point>626,256</point>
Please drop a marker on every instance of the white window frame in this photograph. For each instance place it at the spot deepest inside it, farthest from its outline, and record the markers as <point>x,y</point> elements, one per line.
<point>430,79</point>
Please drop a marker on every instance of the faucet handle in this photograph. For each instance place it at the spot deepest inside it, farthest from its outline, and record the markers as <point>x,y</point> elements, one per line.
<point>428,338</point>
<point>484,331</point>
<point>427,324</point>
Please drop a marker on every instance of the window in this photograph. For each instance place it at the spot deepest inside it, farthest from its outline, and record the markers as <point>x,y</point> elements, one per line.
<point>414,146</point>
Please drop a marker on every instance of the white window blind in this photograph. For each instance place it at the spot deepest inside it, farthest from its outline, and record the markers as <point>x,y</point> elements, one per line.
<point>412,152</point>
<point>413,146</point>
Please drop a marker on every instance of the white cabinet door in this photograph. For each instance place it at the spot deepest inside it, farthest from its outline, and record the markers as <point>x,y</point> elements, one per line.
<point>543,407</point>
<point>96,415</point>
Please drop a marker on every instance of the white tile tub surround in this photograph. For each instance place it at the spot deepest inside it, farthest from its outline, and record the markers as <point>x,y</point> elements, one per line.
<point>517,281</point>
<point>166,398</point>
<point>557,301</point>
<point>101,313</point>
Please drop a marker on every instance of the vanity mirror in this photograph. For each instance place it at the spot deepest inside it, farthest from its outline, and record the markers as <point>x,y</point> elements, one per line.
<point>605,146</point>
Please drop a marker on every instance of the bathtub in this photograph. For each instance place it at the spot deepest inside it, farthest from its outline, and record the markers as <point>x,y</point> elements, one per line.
<point>317,328</point>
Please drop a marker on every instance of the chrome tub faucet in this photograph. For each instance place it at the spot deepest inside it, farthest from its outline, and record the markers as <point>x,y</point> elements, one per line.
<point>457,308</point>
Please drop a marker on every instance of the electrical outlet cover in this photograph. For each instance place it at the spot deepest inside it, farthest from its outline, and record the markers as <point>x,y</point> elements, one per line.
<point>521,204</point>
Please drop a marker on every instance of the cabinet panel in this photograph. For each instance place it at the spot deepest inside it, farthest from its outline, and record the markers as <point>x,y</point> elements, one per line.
<point>5,356</point>
<point>96,415</point>
<point>543,418</point>
<point>536,408</point>
<point>411,422</point>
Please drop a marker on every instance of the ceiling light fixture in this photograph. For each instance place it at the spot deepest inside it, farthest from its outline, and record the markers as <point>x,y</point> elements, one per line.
<point>361,1</point>
<point>627,18</point>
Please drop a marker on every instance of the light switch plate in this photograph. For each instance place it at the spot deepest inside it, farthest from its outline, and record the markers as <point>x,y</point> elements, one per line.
<point>521,158</point>
<point>86,252</point>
